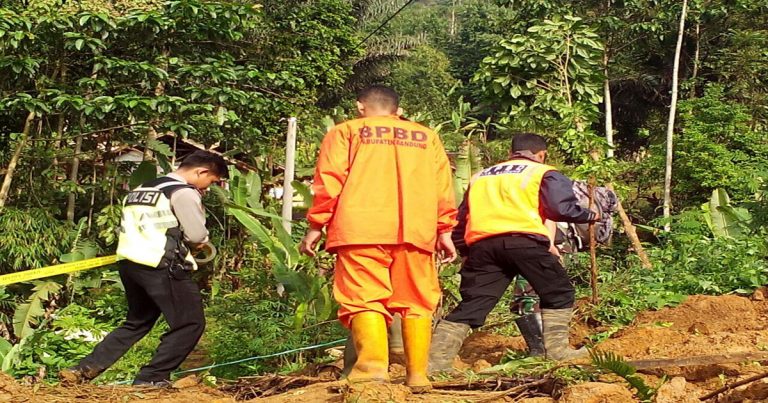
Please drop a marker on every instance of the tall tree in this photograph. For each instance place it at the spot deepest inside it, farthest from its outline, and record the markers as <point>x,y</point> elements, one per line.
<point>671,120</point>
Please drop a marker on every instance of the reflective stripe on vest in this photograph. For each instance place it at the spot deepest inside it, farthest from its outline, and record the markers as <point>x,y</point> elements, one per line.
<point>147,217</point>
<point>505,199</point>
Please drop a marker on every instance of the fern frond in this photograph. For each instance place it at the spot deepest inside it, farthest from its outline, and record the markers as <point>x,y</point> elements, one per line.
<point>609,361</point>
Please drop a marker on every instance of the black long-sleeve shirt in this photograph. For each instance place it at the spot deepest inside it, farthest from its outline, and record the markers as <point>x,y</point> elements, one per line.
<point>557,202</point>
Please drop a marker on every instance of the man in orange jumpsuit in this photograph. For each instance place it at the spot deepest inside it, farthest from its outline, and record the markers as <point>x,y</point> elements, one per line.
<point>383,189</point>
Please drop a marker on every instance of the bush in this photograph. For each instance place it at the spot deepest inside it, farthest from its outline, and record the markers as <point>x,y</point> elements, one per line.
<point>72,335</point>
<point>684,264</point>
<point>243,324</point>
<point>718,148</point>
<point>31,238</point>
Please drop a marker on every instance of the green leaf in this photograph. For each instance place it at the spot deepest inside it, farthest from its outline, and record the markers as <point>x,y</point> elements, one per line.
<point>11,358</point>
<point>307,198</point>
<point>145,172</point>
<point>253,189</point>
<point>165,163</point>
<point>5,346</point>
<point>292,251</point>
<point>723,219</point>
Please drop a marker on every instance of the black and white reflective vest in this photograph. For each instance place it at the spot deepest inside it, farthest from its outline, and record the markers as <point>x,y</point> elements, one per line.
<point>149,231</point>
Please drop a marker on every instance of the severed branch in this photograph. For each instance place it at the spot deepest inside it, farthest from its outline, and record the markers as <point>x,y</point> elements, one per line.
<point>734,385</point>
<point>515,390</point>
<point>730,358</point>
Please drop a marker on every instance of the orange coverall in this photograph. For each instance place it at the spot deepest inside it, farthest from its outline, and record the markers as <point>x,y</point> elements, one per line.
<point>383,188</point>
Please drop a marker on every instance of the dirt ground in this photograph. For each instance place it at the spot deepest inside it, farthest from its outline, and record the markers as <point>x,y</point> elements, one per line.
<point>700,326</point>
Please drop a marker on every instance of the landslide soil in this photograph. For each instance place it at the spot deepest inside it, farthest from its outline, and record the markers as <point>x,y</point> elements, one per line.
<point>701,325</point>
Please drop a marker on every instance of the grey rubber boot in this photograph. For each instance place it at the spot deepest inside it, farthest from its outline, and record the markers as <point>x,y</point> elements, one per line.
<point>396,336</point>
<point>350,356</point>
<point>530,329</point>
<point>555,325</point>
<point>447,339</point>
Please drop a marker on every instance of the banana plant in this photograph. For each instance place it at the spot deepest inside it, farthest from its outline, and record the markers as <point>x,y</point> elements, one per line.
<point>468,163</point>
<point>27,315</point>
<point>468,160</point>
<point>724,219</point>
<point>296,273</point>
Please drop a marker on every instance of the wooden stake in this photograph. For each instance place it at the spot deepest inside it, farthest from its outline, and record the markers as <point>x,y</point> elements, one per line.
<point>592,242</point>
<point>288,174</point>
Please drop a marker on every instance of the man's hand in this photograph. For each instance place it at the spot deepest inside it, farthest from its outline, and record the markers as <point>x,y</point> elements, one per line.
<point>553,250</point>
<point>309,242</point>
<point>446,252</point>
<point>598,216</point>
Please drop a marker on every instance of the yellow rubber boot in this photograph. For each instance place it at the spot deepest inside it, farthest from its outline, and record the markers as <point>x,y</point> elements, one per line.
<point>417,334</point>
<point>369,331</point>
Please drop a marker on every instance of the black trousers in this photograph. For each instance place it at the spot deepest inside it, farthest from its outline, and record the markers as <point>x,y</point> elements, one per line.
<point>491,266</point>
<point>151,292</point>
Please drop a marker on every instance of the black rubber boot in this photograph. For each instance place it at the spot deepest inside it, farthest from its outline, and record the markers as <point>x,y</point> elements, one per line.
<point>530,329</point>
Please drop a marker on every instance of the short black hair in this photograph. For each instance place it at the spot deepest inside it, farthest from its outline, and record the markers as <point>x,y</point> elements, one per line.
<point>206,159</point>
<point>529,142</point>
<point>380,95</point>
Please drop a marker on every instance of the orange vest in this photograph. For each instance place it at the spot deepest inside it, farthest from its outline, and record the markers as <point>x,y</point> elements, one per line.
<point>505,199</point>
<point>382,181</point>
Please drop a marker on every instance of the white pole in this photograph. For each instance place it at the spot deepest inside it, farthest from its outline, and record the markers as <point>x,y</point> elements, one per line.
<point>290,162</point>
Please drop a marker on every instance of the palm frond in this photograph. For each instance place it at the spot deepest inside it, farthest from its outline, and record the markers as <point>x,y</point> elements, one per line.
<point>368,11</point>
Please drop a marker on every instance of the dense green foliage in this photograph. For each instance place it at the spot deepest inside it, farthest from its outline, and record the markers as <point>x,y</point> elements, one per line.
<point>89,87</point>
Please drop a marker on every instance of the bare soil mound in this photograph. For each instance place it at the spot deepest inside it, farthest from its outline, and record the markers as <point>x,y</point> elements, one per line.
<point>700,326</point>
<point>488,347</point>
<point>597,392</point>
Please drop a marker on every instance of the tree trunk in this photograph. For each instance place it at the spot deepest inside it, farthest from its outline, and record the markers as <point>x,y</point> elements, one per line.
<point>61,121</point>
<point>671,121</point>
<point>93,199</point>
<point>6,187</point>
<point>608,108</point>
<point>696,57</point>
<point>151,132</point>
<point>73,172</point>
<point>452,32</point>
<point>74,169</point>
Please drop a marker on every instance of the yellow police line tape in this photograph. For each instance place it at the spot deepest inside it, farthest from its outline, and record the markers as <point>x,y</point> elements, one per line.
<point>55,270</point>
